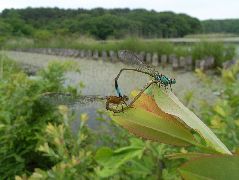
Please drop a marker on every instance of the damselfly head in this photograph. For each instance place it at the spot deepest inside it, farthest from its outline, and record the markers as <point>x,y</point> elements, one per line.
<point>173,81</point>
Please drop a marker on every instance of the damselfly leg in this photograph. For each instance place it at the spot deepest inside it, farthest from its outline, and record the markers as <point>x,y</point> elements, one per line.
<point>142,91</point>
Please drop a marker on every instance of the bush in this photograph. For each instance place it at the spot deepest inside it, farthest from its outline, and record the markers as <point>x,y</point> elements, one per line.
<point>218,50</point>
<point>24,116</point>
<point>223,116</point>
<point>42,35</point>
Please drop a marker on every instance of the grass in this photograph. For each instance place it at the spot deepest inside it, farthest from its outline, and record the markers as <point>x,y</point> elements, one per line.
<point>198,50</point>
<point>211,35</point>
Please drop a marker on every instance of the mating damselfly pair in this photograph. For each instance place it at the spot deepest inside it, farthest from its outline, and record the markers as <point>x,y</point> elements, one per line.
<point>141,67</point>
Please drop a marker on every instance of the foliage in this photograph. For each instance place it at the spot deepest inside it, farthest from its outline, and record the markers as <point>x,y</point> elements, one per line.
<point>221,167</point>
<point>223,115</point>
<point>37,140</point>
<point>165,119</point>
<point>24,115</point>
<point>217,50</point>
<point>159,126</point>
<point>71,152</point>
<point>42,35</point>
<point>200,50</point>
<point>7,67</point>
<point>137,160</point>
<point>100,23</point>
<point>221,26</point>
<point>225,126</point>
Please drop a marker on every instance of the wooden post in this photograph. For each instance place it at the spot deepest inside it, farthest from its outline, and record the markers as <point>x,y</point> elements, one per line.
<point>175,63</point>
<point>164,61</point>
<point>95,55</point>
<point>155,59</point>
<point>148,58</point>
<point>104,55</point>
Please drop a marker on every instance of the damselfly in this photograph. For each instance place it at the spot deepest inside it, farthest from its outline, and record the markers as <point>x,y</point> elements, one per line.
<point>132,58</point>
<point>74,100</point>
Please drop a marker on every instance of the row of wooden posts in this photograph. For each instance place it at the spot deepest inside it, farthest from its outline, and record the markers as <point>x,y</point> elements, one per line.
<point>177,63</point>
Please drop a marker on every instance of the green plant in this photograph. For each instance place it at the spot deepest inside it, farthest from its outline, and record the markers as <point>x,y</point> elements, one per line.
<point>223,115</point>
<point>37,141</point>
<point>42,35</point>
<point>147,118</point>
<point>70,152</point>
<point>24,116</point>
<point>217,50</point>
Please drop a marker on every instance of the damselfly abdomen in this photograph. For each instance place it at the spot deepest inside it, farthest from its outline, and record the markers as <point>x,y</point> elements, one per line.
<point>74,100</point>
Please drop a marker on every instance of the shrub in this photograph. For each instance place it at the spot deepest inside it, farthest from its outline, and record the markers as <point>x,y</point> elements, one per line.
<point>42,35</point>
<point>24,116</point>
<point>218,50</point>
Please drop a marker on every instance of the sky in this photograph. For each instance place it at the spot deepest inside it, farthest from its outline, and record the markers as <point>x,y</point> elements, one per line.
<point>202,9</point>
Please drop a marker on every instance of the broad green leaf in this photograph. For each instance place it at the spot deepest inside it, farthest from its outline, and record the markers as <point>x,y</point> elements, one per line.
<point>150,125</point>
<point>213,168</point>
<point>106,172</point>
<point>189,155</point>
<point>103,155</point>
<point>170,104</point>
<point>142,168</point>
<point>112,160</point>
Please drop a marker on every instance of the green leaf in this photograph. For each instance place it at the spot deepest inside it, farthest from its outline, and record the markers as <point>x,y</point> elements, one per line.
<point>189,155</point>
<point>141,168</point>
<point>112,160</point>
<point>170,104</point>
<point>213,168</point>
<point>150,126</point>
<point>106,172</point>
<point>103,155</point>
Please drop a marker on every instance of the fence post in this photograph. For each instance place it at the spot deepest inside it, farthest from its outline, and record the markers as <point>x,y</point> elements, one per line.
<point>175,63</point>
<point>155,59</point>
<point>189,63</point>
<point>164,61</point>
<point>95,55</point>
<point>104,55</point>
<point>148,58</point>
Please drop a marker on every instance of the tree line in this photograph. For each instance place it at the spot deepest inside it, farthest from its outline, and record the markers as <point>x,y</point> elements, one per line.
<point>107,23</point>
<point>99,23</point>
<point>221,26</point>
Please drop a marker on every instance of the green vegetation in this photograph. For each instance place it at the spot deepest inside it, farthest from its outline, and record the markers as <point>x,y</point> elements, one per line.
<point>221,26</point>
<point>98,23</point>
<point>37,140</point>
<point>102,23</point>
<point>24,115</point>
<point>221,52</point>
<point>79,29</point>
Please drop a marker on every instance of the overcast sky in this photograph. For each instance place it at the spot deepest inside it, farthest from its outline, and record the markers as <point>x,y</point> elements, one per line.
<point>202,9</point>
